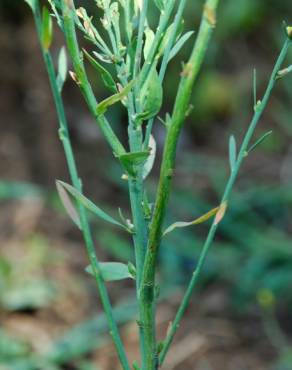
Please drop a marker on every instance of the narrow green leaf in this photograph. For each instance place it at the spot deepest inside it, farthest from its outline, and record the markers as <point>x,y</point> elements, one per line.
<point>177,47</point>
<point>149,38</point>
<point>197,221</point>
<point>232,152</point>
<point>259,141</point>
<point>130,160</point>
<point>88,204</point>
<point>62,68</point>
<point>68,205</point>
<point>151,97</point>
<point>32,4</point>
<point>103,106</point>
<point>150,160</point>
<point>166,38</point>
<point>112,271</point>
<point>105,75</point>
<point>47,29</point>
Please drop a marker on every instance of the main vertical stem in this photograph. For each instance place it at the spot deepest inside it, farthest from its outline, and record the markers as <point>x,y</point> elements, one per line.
<point>86,232</point>
<point>189,75</point>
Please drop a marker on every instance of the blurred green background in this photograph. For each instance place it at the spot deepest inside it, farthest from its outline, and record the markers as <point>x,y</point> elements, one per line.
<point>240,316</point>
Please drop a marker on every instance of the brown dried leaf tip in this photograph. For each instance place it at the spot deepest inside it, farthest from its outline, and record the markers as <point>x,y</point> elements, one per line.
<point>74,77</point>
<point>221,213</point>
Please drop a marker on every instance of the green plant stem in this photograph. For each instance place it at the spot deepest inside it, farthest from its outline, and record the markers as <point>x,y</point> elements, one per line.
<point>82,80</point>
<point>162,26</point>
<point>162,71</point>
<point>189,74</point>
<point>210,237</point>
<point>136,192</point>
<point>65,138</point>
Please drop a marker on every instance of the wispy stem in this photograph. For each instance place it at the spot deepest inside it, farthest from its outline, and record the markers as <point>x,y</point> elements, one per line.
<point>229,186</point>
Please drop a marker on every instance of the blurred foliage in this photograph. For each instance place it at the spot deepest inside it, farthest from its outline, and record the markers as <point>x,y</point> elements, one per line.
<point>21,284</point>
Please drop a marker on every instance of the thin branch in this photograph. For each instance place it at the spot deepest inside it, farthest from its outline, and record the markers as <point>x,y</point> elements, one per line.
<point>86,232</point>
<point>233,176</point>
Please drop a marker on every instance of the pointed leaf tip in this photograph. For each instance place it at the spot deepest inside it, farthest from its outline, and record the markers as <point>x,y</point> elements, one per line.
<point>112,271</point>
<point>178,46</point>
<point>68,204</point>
<point>221,213</point>
<point>259,141</point>
<point>32,4</point>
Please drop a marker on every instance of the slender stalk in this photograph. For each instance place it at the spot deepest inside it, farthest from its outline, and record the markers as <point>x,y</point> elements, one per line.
<point>65,138</point>
<point>82,80</point>
<point>136,193</point>
<point>229,186</point>
<point>189,75</point>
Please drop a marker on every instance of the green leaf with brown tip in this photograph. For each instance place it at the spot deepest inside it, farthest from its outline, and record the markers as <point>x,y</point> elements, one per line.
<point>197,221</point>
